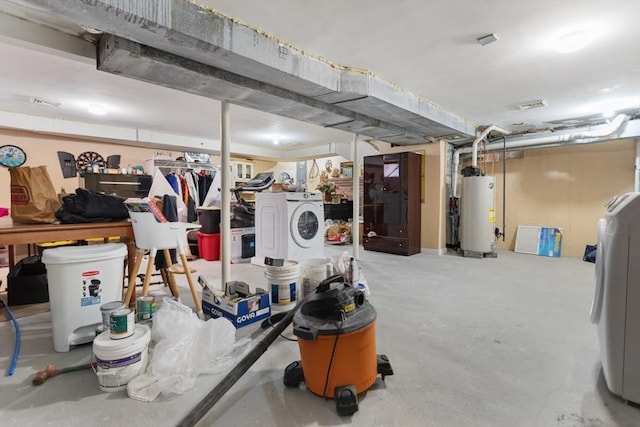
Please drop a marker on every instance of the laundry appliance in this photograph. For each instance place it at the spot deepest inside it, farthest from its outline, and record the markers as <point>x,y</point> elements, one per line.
<point>289,225</point>
<point>616,302</point>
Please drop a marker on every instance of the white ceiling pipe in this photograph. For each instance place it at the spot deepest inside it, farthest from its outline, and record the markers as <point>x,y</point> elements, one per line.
<point>584,137</point>
<point>474,146</point>
<point>636,170</point>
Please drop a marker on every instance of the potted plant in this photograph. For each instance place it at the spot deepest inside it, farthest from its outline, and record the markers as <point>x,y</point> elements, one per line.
<point>328,189</point>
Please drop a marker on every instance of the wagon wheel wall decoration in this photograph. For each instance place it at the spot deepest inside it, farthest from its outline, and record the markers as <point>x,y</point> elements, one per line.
<point>85,162</point>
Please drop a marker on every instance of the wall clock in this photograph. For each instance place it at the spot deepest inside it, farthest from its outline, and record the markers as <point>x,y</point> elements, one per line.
<point>12,156</point>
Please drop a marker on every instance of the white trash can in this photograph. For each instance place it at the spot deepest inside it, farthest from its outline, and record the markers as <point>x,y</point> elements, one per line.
<point>81,279</point>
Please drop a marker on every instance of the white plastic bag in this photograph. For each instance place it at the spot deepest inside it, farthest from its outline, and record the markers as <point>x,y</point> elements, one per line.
<point>341,265</point>
<point>185,347</point>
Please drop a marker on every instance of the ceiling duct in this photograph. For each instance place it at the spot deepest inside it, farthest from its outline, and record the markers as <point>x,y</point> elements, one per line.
<point>126,58</point>
<point>181,28</point>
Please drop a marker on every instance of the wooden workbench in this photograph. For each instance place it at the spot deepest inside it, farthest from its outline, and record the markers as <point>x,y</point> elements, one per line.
<point>24,234</point>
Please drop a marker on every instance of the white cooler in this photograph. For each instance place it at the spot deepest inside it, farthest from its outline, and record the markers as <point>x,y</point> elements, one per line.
<point>81,279</point>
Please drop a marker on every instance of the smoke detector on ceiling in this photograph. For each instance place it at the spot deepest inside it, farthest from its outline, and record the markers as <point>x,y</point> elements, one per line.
<point>42,101</point>
<point>489,38</point>
<point>533,104</point>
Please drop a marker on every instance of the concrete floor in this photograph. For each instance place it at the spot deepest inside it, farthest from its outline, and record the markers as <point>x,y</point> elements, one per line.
<point>473,342</point>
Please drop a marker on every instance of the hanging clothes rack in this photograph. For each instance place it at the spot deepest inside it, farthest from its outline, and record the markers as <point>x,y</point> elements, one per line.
<point>180,166</point>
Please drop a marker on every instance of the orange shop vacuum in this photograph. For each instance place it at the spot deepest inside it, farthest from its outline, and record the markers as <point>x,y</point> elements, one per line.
<point>336,334</point>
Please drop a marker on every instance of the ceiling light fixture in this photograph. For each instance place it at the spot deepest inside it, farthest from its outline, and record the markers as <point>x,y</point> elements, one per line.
<point>485,40</point>
<point>572,41</point>
<point>97,109</point>
<point>276,141</point>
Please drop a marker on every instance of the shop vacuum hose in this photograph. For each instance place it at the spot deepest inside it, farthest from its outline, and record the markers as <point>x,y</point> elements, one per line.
<point>16,348</point>
<point>234,375</point>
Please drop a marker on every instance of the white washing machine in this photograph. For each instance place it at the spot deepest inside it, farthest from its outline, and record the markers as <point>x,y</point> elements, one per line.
<point>289,225</point>
<point>616,302</point>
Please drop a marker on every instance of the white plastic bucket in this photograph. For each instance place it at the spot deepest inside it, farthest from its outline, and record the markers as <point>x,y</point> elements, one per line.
<point>312,272</point>
<point>283,282</point>
<point>120,361</point>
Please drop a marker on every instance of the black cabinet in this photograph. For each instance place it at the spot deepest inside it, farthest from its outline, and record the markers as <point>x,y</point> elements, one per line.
<point>391,208</point>
<point>119,185</point>
<point>343,211</point>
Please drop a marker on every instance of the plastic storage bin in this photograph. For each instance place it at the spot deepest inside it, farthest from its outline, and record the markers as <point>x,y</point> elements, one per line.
<point>209,219</point>
<point>209,246</point>
<point>81,279</point>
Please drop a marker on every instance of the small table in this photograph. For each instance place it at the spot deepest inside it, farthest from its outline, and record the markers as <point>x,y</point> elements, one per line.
<point>24,234</point>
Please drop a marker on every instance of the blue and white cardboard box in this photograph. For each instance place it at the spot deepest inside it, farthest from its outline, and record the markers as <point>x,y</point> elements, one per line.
<point>550,243</point>
<point>238,305</point>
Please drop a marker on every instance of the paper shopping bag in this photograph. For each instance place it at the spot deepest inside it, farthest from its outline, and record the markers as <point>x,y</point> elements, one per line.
<point>33,198</point>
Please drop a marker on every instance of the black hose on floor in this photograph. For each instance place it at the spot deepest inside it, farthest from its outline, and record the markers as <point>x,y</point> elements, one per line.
<point>234,375</point>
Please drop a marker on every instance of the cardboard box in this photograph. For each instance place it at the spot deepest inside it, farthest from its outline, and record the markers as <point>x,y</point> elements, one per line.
<point>550,242</point>
<point>237,304</point>
<point>243,244</point>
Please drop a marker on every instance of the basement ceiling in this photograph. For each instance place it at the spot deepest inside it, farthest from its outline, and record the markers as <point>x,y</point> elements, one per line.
<point>427,49</point>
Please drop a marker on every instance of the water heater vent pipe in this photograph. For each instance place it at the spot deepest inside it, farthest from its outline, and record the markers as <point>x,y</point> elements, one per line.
<point>601,134</point>
<point>474,147</point>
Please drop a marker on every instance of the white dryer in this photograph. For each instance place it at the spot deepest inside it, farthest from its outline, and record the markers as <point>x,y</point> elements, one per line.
<point>616,302</point>
<point>289,225</point>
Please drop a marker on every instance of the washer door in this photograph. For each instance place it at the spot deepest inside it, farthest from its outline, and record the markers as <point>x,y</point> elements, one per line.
<point>305,225</point>
<point>596,305</point>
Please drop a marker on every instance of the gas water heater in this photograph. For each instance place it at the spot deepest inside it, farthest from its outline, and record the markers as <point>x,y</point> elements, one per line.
<point>477,215</point>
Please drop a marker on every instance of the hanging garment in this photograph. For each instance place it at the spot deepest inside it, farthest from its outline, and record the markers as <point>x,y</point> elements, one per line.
<point>204,183</point>
<point>170,211</point>
<point>184,189</point>
<point>173,180</point>
<point>193,187</point>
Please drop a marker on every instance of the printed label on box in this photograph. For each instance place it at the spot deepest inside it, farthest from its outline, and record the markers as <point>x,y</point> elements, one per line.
<point>240,309</point>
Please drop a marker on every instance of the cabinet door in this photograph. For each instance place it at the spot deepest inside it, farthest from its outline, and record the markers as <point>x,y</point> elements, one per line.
<point>233,171</point>
<point>239,171</point>
<point>248,170</point>
<point>394,192</point>
<point>373,189</point>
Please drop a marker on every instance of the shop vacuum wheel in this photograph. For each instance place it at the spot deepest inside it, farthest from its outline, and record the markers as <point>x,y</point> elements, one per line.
<point>345,396</point>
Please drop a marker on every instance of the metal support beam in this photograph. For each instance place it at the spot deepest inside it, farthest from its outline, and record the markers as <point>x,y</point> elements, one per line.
<point>225,200</point>
<point>355,223</point>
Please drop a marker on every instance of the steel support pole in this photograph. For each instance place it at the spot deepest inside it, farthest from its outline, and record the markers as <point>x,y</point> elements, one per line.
<point>355,223</point>
<point>225,214</point>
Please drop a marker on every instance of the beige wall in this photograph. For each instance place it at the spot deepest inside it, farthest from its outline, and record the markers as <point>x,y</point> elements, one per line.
<point>42,149</point>
<point>563,187</point>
